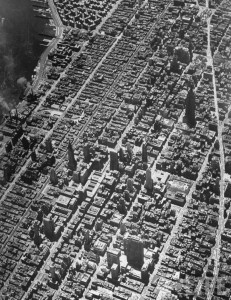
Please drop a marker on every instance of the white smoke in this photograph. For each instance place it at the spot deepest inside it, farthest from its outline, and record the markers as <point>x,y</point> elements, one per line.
<point>3,104</point>
<point>4,108</point>
<point>22,83</point>
<point>9,66</point>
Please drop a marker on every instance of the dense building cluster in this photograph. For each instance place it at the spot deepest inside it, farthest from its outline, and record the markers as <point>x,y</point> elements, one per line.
<point>115,175</point>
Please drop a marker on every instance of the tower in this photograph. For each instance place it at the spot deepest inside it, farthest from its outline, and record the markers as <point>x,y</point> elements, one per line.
<point>86,152</point>
<point>53,176</point>
<point>98,224</point>
<point>130,185</point>
<point>121,206</point>
<point>33,156</point>
<point>122,228</point>
<point>48,226</point>
<point>71,157</point>
<point>113,257</point>
<point>134,249</point>
<point>52,271</point>
<point>114,272</point>
<point>114,162</point>
<point>144,152</point>
<point>144,272</point>
<point>149,180</point>
<point>6,171</point>
<point>174,66</point>
<point>49,146</point>
<point>129,150</point>
<point>190,108</point>
<point>37,238</point>
<point>25,142</point>
<point>121,154</point>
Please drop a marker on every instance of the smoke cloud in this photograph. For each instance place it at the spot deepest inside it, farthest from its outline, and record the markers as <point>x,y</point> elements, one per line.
<point>22,83</point>
<point>4,107</point>
<point>3,104</point>
<point>20,48</point>
<point>2,36</point>
<point>9,67</point>
<point>8,90</point>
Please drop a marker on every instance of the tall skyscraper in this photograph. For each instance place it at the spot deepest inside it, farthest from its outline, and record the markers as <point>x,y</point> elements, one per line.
<point>25,142</point>
<point>52,271</point>
<point>149,181</point>
<point>86,151</point>
<point>71,157</point>
<point>144,272</point>
<point>53,176</point>
<point>190,108</point>
<point>113,256</point>
<point>33,156</point>
<point>130,185</point>
<point>174,66</point>
<point>6,171</point>
<point>37,238</point>
<point>121,154</point>
<point>114,162</point>
<point>49,146</point>
<point>134,249</point>
<point>122,228</point>
<point>48,226</point>
<point>114,272</point>
<point>144,152</point>
<point>129,150</point>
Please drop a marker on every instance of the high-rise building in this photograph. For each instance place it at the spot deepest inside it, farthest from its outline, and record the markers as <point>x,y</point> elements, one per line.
<point>49,146</point>
<point>121,154</point>
<point>37,238</point>
<point>52,271</point>
<point>98,224</point>
<point>121,205</point>
<point>122,228</point>
<point>6,171</point>
<point>130,185</point>
<point>149,181</point>
<point>174,67</point>
<point>129,150</point>
<point>114,272</point>
<point>86,151</point>
<point>33,156</point>
<point>190,108</point>
<point>134,249</point>
<point>53,176</point>
<point>25,142</point>
<point>144,272</point>
<point>48,227</point>
<point>113,257</point>
<point>71,157</point>
<point>144,152</point>
<point>114,162</point>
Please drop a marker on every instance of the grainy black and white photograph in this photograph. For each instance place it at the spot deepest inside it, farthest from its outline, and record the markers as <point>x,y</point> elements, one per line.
<point>115,149</point>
